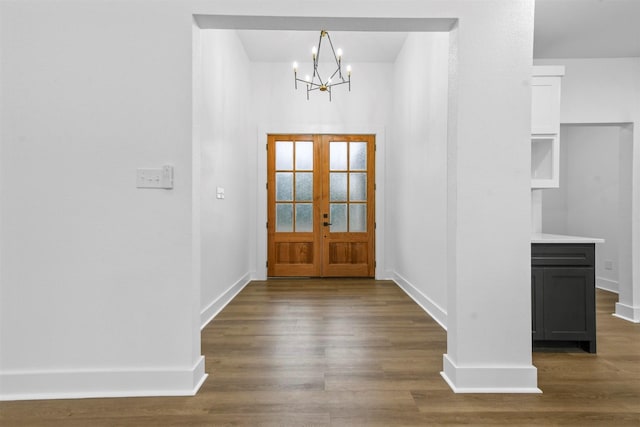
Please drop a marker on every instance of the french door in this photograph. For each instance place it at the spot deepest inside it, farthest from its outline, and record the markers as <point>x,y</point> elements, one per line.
<point>321,198</point>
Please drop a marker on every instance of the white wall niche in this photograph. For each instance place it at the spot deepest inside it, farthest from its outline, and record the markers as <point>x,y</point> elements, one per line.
<point>545,162</point>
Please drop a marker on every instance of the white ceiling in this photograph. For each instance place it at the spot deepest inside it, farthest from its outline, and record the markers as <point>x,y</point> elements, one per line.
<point>587,29</point>
<point>289,46</point>
<point>563,29</point>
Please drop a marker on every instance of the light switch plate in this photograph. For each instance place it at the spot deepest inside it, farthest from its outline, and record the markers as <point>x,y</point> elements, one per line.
<point>155,178</point>
<point>219,193</point>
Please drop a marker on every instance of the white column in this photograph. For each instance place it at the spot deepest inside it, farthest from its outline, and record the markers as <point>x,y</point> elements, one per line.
<point>628,305</point>
<point>489,282</point>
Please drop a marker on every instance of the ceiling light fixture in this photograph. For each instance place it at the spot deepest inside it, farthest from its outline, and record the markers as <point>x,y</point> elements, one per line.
<point>316,82</point>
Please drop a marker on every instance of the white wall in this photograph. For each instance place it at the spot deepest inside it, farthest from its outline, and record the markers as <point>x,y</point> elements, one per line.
<point>279,105</point>
<point>417,171</point>
<point>280,108</point>
<point>227,144</point>
<point>587,202</point>
<point>96,278</point>
<point>607,91</point>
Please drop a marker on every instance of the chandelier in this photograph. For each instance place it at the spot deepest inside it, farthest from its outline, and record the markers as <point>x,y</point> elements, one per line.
<point>316,82</point>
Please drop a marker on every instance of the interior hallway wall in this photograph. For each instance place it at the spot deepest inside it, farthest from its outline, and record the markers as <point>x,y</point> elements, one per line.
<point>417,171</point>
<point>226,134</point>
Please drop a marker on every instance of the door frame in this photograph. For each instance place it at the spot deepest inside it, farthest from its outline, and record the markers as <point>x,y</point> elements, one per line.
<point>259,257</point>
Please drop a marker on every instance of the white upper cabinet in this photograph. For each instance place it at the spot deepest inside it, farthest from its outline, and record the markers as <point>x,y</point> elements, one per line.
<point>545,126</point>
<point>545,101</point>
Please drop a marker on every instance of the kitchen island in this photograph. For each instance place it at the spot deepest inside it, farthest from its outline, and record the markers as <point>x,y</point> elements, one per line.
<point>563,291</point>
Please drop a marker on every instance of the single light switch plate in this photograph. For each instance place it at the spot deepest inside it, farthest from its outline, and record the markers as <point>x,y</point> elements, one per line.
<point>219,193</point>
<point>155,178</point>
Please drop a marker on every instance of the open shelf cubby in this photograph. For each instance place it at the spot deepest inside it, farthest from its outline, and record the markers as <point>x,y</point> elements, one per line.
<point>545,161</point>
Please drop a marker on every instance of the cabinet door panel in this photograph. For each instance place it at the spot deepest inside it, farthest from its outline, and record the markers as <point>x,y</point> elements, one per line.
<point>545,105</point>
<point>537,304</point>
<point>569,304</point>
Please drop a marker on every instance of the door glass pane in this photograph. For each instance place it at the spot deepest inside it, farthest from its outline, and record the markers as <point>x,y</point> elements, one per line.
<point>284,186</point>
<point>304,186</point>
<point>304,217</point>
<point>284,155</point>
<point>358,217</point>
<point>358,156</point>
<point>358,186</point>
<point>304,155</point>
<point>338,216</point>
<point>284,217</point>
<point>337,186</point>
<point>338,156</point>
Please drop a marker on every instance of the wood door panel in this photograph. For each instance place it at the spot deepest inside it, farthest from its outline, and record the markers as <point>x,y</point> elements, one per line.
<point>344,259</point>
<point>294,253</point>
<point>348,253</point>
<point>293,256</point>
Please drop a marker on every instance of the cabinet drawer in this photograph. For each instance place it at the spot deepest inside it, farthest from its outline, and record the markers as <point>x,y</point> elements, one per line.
<point>563,254</point>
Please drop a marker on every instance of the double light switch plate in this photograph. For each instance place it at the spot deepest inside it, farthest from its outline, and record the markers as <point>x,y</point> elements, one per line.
<point>155,178</point>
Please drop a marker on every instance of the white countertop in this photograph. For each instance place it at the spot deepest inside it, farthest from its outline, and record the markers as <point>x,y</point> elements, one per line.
<point>560,238</point>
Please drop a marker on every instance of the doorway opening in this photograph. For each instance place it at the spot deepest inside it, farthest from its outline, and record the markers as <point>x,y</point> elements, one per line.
<point>321,205</point>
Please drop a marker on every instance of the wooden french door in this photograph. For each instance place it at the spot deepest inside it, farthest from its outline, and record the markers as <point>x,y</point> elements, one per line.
<point>321,200</point>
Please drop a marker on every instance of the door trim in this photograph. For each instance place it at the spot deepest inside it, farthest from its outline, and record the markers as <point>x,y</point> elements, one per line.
<point>259,245</point>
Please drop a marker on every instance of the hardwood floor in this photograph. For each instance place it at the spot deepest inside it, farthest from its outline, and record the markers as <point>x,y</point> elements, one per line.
<point>359,352</point>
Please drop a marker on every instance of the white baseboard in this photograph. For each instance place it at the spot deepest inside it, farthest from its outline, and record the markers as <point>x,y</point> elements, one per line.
<point>219,303</point>
<point>627,312</point>
<point>427,304</point>
<point>607,284</point>
<point>80,384</point>
<point>384,275</point>
<point>490,379</point>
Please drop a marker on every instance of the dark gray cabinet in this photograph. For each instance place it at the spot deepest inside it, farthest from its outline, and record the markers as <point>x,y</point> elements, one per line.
<point>563,295</point>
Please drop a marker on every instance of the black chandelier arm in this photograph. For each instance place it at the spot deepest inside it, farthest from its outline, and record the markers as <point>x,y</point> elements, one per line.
<point>322,33</point>
<point>344,82</point>
<point>309,83</point>
<point>338,61</point>
<point>315,70</point>
<point>318,85</point>
<point>337,71</point>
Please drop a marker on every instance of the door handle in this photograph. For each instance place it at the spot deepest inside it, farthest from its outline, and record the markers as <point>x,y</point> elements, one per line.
<point>326,223</point>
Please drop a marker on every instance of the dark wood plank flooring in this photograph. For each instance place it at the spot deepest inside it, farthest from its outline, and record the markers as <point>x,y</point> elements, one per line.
<point>359,352</point>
